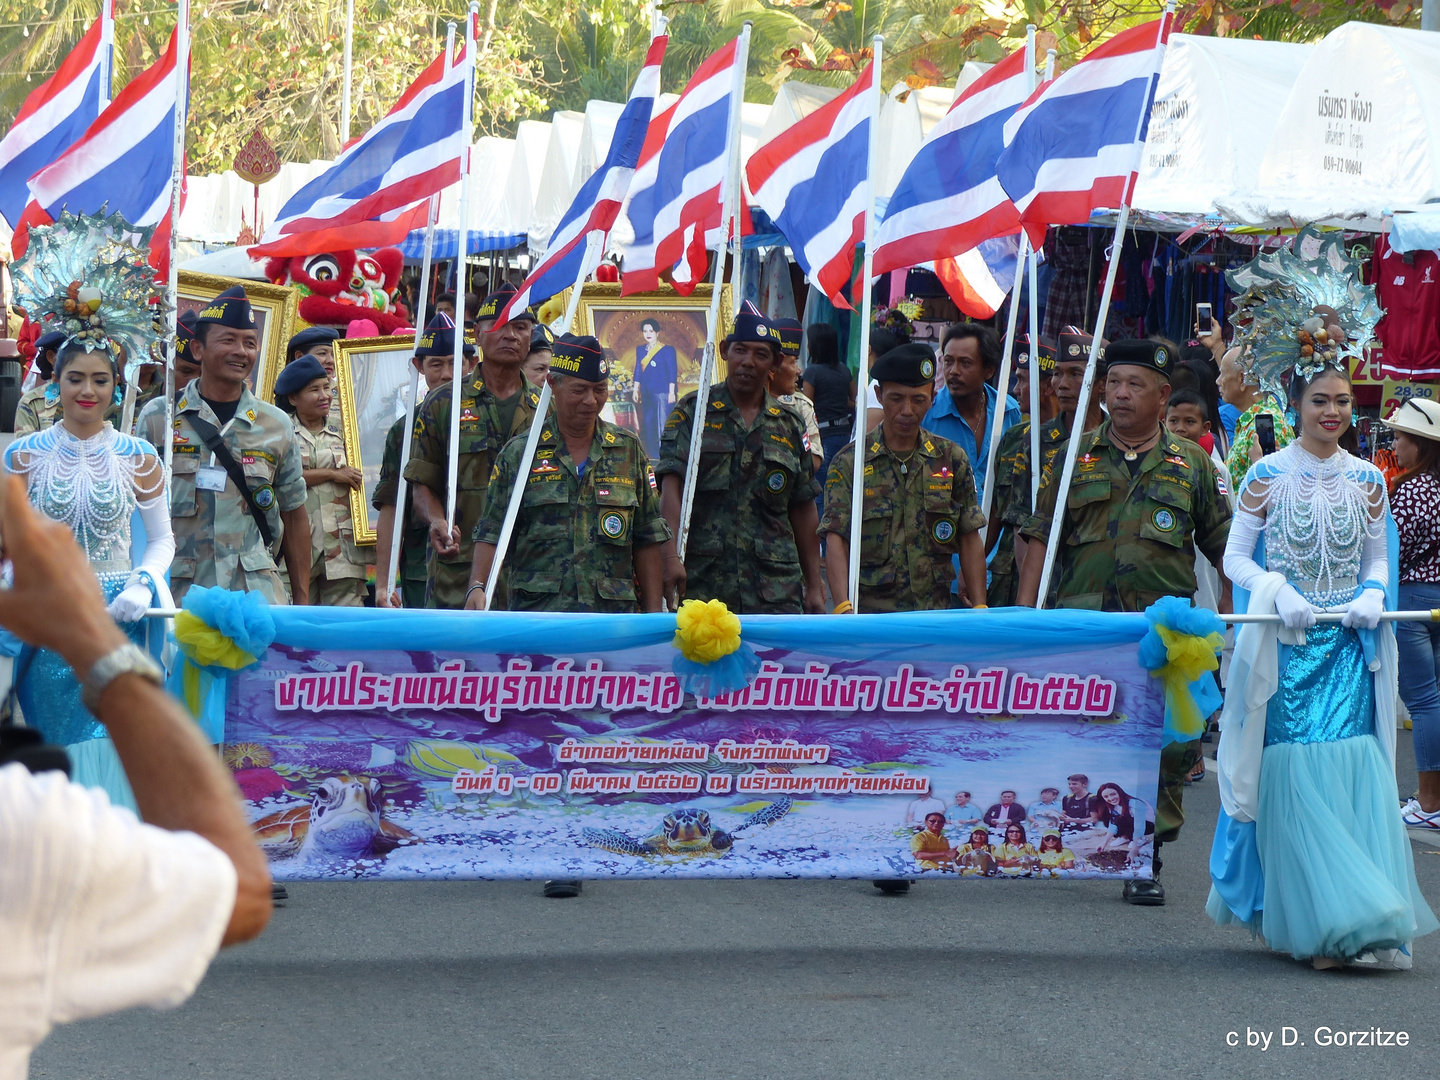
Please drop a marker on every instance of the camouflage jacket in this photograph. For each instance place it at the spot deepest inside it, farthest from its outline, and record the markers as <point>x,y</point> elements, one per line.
<point>1012,498</point>
<point>915,512</point>
<point>332,532</point>
<point>575,538</point>
<point>414,540</point>
<point>35,412</point>
<point>741,548</point>
<point>481,440</point>
<point>216,539</point>
<point>1127,541</point>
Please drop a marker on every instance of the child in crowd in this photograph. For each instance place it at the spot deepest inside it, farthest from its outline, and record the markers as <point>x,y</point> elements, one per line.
<point>1188,417</point>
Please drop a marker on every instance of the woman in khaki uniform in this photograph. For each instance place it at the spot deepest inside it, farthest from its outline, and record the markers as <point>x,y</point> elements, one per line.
<point>337,570</point>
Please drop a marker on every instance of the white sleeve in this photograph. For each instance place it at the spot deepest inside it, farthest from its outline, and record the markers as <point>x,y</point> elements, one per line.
<point>109,913</point>
<point>1240,565</point>
<point>159,538</point>
<point>1375,558</point>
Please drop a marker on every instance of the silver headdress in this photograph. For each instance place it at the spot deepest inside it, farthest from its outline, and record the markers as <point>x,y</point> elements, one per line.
<point>87,275</point>
<point>1302,308</point>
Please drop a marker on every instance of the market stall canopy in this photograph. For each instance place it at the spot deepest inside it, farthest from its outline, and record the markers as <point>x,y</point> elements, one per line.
<point>1218,102</point>
<point>1359,134</point>
<point>532,140</point>
<point>557,176</point>
<point>496,224</point>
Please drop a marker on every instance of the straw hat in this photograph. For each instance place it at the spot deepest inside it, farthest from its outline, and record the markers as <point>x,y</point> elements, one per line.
<point>1418,417</point>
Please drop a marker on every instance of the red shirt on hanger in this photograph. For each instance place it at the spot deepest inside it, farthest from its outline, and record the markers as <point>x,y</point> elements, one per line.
<point>1407,285</point>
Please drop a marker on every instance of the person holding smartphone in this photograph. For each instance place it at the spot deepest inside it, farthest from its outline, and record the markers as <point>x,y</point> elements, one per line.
<point>1262,428</point>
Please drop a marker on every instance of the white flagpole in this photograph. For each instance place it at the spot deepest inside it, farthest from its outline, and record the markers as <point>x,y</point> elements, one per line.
<point>730,198</point>
<point>407,434</point>
<point>594,248</point>
<point>345,84</point>
<point>177,179</point>
<point>462,241</point>
<point>107,51</point>
<point>862,379</point>
<point>1035,420</point>
<point>1057,521</point>
<point>993,432</point>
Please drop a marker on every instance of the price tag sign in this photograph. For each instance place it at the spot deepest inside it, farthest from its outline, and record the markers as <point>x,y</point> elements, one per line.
<point>1396,394</point>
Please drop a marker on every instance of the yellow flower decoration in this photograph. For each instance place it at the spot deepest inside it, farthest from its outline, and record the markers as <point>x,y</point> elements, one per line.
<point>705,630</point>
<point>1188,657</point>
<point>551,310</point>
<point>206,646</point>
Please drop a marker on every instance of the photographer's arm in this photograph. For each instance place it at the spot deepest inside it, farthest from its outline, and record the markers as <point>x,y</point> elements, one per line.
<point>178,781</point>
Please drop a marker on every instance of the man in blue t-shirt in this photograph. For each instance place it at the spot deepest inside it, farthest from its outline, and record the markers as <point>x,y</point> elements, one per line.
<point>969,359</point>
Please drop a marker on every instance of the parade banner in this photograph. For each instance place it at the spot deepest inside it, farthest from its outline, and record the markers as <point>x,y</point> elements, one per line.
<point>449,745</point>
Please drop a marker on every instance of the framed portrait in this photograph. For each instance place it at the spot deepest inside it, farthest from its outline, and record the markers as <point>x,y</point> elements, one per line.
<point>375,377</point>
<point>275,318</point>
<point>641,331</point>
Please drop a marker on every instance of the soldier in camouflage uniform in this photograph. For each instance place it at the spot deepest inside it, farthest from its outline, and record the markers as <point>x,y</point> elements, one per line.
<point>1140,503</point>
<point>919,502</point>
<point>216,539</point>
<point>436,363</point>
<point>589,535</point>
<point>187,370</point>
<point>337,569</point>
<point>752,540</point>
<point>496,404</point>
<point>39,408</point>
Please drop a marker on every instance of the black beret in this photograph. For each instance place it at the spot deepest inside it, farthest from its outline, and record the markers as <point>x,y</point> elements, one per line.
<point>231,308</point>
<point>53,340</point>
<point>299,374</point>
<point>438,338</point>
<point>1140,353</point>
<point>581,357</point>
<point>541,338</point>
<point>792,335</point>
<point>908,365</point>
<point>1045,350</point>
<point>491,305</point>
<point>751,325</point>
<point>306,339</point>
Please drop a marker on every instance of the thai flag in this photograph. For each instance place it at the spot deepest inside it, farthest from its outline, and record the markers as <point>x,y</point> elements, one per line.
<point>597,204</point>
<point>122,164</point>
<point>55,116</point>
<point>379,187</point>
<point>980,279</point>
<point>949,199</point>
<point>1074,145</point>
<point>811,180</point>
<point>676,196</point>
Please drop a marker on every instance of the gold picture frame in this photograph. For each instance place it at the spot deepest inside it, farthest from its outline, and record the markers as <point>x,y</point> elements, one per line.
<point>615,321</point>
<point>276,310</point>
<point>374,376</point>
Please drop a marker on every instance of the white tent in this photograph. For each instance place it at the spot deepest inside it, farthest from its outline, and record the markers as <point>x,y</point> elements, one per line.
<point>557,177</point>
<point>1359,133</point>
<point>491,218</point>
<point>595,135</point>
<point>215,203</point>
<point>532,139</point>
<point>1218,102</point>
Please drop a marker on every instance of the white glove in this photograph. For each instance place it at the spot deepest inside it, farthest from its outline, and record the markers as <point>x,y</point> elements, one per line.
<point>1294,610</point>
<point>131,604</point>
<point>1364,611</point>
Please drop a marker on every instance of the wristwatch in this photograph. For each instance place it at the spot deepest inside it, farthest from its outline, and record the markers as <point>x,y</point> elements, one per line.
<point>128,659</point>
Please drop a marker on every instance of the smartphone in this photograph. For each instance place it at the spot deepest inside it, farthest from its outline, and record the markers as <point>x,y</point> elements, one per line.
<point>1265,433</point>
<point>1203,318</point>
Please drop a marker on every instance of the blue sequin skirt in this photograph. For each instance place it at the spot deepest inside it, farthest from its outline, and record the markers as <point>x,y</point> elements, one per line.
<point>49,696</point>
<point>1339,876</point>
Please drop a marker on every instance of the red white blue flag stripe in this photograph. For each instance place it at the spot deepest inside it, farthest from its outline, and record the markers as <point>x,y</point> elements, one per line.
<point>949,199</point>
<point>378,188</point>
<point>53,117</point>
<point>980,279</point>
<point>123,163</point>
<point>811,180</point>
<point>676,195</point>
<point>1073,147</point>
<point>597,204</point>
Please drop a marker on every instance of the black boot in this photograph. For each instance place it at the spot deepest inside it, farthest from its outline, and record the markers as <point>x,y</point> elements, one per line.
<point>1145,893</point>
<point>893,888</point>
<point>561,890</point>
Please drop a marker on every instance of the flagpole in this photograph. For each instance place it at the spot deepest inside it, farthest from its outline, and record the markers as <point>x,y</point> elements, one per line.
<point>993,432</point>
<point>177,179</point>
<point>107,52</point>
<point>729,199</point>
<point>462,241</point>
<point>387,576</point>
<point>345,83</point>
<point>1057,520</point>
<point>862,379</point>
<point>1035,419</point>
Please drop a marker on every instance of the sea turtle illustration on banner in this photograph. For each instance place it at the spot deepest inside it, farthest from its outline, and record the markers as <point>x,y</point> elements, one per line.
<point>344,818</point>
<point>687,831</point>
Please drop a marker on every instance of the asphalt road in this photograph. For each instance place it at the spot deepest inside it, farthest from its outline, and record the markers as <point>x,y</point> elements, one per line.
<point>788,979</point>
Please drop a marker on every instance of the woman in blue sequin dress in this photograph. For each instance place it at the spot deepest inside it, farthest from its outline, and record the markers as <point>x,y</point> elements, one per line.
<point>1309,852</point>
<point>85,474</point>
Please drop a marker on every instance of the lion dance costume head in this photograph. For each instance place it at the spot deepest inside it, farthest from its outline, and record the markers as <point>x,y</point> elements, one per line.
<point>339,286</point>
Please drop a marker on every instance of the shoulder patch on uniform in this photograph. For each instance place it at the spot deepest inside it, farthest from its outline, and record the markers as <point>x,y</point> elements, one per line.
<point>1163,518</point>
<point>1176,459</point>
<point>774,410</point>
<point>609,436</point>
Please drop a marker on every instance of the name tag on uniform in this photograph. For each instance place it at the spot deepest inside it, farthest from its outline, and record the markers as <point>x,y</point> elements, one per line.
<point>210,478</point>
